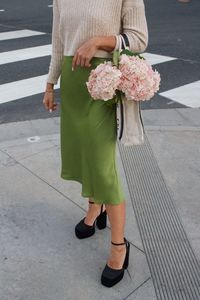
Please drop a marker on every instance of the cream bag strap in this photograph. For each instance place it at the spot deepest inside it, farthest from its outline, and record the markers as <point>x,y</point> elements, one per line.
<point>130,128</point>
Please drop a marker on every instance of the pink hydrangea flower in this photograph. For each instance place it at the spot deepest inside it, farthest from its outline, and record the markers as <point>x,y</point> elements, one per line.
<point>103,81</point>
<point>139,81</point>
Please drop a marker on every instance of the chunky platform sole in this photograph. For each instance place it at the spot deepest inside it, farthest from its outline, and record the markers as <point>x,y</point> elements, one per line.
<point>83,230</point>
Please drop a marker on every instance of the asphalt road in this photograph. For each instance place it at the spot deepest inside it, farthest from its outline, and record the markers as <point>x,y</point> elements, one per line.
<point>174,31</point>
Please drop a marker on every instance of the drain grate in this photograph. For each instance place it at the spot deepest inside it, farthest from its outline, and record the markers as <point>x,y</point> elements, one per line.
<point>174,268</point>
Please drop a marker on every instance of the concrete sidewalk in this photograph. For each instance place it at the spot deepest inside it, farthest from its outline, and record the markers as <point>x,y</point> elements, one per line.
<point>41,257</point>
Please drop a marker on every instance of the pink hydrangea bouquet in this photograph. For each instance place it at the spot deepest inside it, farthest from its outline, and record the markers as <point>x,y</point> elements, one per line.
<point>104,81</point>
<point>129,73</point>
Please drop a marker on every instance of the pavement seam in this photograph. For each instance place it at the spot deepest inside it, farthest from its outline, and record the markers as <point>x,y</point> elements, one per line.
<point>172,128</point>
<point>183,116</point>
<point>139,286</point>
<point>44,181</point>
<point>30,171</point>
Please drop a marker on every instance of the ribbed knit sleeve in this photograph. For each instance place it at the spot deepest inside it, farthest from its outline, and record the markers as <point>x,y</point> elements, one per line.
<point>134,24</point>
<point>57,48</point>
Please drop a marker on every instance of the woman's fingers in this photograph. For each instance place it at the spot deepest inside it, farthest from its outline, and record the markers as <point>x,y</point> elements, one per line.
<point>74,61</point>
<point>87,62</point>
<point>80,61</point>
<point>48,102</point>
<point>84,54</point>
<point>55,106</point>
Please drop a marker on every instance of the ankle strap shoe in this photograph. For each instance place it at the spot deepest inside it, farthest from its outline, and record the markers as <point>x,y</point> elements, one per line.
<point>83,230</point>
<point>112,276</point>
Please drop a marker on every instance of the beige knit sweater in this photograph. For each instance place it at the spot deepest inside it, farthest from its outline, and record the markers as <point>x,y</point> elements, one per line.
<point>76,21</point>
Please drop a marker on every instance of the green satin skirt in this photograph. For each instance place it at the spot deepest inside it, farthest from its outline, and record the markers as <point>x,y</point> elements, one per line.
<point>88,136</point>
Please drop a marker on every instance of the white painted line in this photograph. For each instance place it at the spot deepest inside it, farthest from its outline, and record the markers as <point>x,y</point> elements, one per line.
<point>2,9</point>
<point>8,35</point>
<point>154,59</point>
<point>188,94</point>
<point>23,88</point>
<point>24,54</point>
<point>50,5</point>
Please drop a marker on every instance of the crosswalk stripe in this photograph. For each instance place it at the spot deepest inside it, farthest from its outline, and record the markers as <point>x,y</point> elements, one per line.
<point>154,59</point>
<point>18,34</point>
<point>39,51</point>
<point>23,88</point>
<point>188,94</point>
<point>24,54</point>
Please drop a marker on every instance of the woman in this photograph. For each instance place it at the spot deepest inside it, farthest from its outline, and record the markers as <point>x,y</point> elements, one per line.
<point>85,34</point>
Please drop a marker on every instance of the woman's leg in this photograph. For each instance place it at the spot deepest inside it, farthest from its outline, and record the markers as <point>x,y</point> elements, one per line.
<point>93,212</point>
<point>117,216</point>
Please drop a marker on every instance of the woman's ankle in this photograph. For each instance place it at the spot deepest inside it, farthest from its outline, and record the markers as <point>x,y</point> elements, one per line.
<point>117,256</point>
<point>93,212</point>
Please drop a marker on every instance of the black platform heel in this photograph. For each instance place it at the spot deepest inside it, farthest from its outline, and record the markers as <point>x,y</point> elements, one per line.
<point>83,230</point>
<point>112,276</point>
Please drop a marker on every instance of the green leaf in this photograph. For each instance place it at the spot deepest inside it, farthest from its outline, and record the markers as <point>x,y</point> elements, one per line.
<point>110,102</point>
<point>127,52</point>
<point>116,55</point>
<point>131,53</point>
<point>115,99</point>
<point>140,56</point>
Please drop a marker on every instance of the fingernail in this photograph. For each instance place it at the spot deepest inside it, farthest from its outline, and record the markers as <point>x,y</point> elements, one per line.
<point>50,110</point>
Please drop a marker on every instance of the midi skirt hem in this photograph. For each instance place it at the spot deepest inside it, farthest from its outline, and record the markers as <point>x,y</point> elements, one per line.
<point>98,201</point>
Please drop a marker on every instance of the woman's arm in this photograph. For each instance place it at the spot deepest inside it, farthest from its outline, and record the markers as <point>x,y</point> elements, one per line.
<point>57,49</point>
<point>55,63</point>
<point>134,25</point>
<point>106,43</point>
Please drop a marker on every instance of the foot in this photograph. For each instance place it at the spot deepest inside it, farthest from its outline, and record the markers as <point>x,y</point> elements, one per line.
<point>92,213</point>
<point>117,256</point>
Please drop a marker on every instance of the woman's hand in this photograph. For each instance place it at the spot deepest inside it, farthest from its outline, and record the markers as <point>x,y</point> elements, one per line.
<point>85,53</point>
<point>48,100</point>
